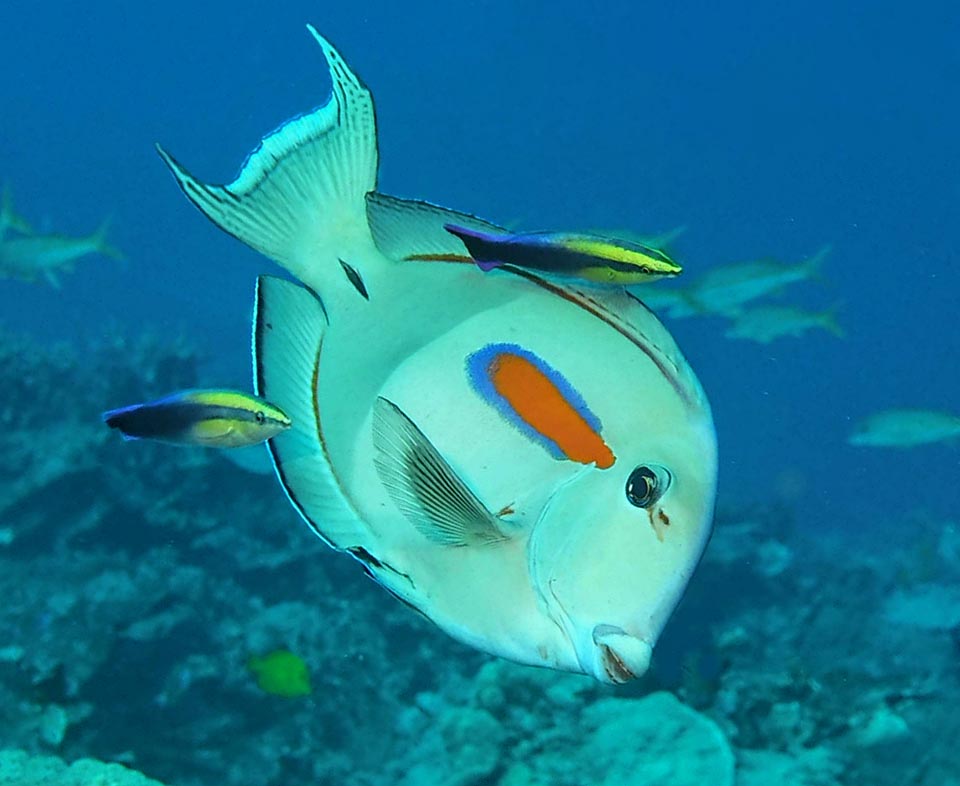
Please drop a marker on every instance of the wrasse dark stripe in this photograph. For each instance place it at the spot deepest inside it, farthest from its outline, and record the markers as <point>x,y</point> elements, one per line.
<point>613,264</point>
<point>167,419</point>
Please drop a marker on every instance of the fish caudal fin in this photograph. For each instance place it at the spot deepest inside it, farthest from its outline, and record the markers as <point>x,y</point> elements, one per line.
<point>102,245</point>
<point>406,229</point>
<point>289,324</point>
<point>424,486</point>
<point>814,265</point>
<point>299,196</point>
<point>9,219</point>
<point>830,320</point>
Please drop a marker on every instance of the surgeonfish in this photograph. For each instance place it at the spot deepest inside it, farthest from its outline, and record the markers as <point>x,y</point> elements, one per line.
<point>529,464</point>
<point>593,258</point>
<point>765,324</point>
<point>906,428</point>
<point>31,258</point>
<point>210,418</point>
<point>9,219</point>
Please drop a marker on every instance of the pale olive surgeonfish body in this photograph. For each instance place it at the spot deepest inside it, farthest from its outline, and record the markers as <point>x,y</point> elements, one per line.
<point>531,465</point>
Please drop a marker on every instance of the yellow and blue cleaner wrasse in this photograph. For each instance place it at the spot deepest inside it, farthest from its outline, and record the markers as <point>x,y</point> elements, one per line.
<point>601,260</point>
<point>210,418</point>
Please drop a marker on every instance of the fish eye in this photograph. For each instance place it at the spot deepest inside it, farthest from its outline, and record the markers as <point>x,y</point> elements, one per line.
<point>646,485</point>
<point>260,417</point>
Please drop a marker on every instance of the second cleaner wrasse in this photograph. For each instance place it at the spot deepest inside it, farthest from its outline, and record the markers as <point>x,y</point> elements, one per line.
<point>209,418</point>
<point>593,258</point>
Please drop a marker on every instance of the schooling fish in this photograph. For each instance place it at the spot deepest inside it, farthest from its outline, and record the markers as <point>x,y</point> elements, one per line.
<point>588,257</point>
<point>45,256</point>
<point>726,290</point>
<point>211,418</point>
<point>529,464</point>
<point>904,428</point>
<point>765,324</point>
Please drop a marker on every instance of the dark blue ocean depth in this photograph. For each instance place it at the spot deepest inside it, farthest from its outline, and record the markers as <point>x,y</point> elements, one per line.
<point>767,129</point>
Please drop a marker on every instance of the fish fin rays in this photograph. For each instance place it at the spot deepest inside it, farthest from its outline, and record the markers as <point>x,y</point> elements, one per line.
<point>406,229</point>
<point>424,486</point>
<point>299,196</point>
<point>289,325</point>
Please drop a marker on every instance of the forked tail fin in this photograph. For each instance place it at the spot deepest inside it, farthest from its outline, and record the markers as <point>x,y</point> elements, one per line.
<point>9,219</point>
<point>99,241</point>
<point>299,196</point>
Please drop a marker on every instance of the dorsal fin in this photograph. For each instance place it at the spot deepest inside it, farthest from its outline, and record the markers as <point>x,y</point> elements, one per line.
<point>407,229</point>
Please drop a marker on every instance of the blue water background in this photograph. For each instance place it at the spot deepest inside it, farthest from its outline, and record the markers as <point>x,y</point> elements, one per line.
<point>767,129</point>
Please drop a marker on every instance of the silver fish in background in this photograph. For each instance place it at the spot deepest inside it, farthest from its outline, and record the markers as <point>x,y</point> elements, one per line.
<point>765,324</point>
<point>529,464</point>
<point>209,418</point>
<point>728,289</point>
<point>905,428</point>
<point>36,257</point>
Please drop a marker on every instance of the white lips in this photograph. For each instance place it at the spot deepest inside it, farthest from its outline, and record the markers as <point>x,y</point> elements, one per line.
<point>620,657</point>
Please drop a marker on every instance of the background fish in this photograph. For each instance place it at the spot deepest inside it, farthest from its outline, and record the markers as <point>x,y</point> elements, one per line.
<point>211,418</point>
<point>31,258</point>
<point>906,428</point>
<point>726,290</point>
<point>602,260</point>
<point>281,673</point>
<point>529,465</point>
<point>768,323</point>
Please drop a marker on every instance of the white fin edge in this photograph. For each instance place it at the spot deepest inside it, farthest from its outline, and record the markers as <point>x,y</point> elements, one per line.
<point>304,184</point>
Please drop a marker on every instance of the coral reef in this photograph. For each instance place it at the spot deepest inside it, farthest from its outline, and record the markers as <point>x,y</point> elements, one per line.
<point>139,580</point>
<point>18,768</point>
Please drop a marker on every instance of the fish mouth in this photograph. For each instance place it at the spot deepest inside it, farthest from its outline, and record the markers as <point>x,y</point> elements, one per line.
<point>620,657</point>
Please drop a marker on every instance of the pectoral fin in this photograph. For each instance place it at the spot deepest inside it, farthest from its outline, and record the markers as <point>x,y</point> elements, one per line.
<point>425,487</point>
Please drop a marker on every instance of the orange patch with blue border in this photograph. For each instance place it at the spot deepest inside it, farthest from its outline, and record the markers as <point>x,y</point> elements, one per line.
<point>538,400</point>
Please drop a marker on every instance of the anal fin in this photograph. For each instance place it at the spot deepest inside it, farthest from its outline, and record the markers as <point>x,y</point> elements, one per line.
<point>289,325</point>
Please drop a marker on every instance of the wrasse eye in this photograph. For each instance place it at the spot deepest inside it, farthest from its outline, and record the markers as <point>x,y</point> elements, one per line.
<point>646,485</point>
<point>260,417</point>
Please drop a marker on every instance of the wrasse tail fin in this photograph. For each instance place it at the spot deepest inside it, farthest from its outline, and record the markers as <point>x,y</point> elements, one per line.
<point>406,229</point>
<point>289,324</point>
<point>476,242</point>
<point>424,486</point>
<point>299,196</point>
